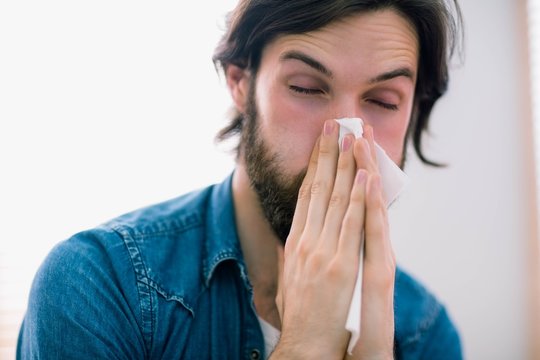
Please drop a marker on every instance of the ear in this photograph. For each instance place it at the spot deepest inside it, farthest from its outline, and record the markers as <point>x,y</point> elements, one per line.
<point>238,84</point>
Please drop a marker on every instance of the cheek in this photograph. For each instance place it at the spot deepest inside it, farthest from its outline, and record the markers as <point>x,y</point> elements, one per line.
<point>390,134</point>
<point>290,127</point>
<point>392,142</point>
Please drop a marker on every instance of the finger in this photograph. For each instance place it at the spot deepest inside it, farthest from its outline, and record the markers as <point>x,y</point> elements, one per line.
<point>279,293</point>
<point>363,157</point>
<point>304,196</point>
<point>323,183</point>
<point>339,200</point>
<point>353,222</point>
<point>378,247</point>
<point>368,135</point>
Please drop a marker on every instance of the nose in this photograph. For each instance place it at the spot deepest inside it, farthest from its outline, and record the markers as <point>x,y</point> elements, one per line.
<point>345,107</point>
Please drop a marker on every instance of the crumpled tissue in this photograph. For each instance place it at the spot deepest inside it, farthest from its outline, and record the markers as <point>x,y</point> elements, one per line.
<point>393,181</point>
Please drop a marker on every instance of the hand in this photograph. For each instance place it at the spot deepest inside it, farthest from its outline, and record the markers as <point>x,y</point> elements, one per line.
<point>320,261</point>
<point>377,317</point>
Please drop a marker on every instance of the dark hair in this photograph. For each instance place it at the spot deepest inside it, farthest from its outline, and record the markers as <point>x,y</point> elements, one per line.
<point>255,23</point>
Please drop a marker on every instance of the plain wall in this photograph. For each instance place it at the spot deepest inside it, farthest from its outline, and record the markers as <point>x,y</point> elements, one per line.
<point>111,105</point>
<point>465,229</point>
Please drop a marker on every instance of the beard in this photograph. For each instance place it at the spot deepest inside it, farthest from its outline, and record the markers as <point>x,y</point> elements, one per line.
<point>277,191</point>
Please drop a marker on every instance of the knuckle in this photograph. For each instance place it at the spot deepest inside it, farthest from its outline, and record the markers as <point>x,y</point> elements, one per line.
<point>325,149</point>
<point>316,261</point>
<point>319,187</point>
<point>304,192</point>
<point>358,196</point>
<point>343,163</point>
<point>337,270</point>
<point>313,162</point>
<point>302,250</point>
<point>336,200</point>
<point>351,222</point>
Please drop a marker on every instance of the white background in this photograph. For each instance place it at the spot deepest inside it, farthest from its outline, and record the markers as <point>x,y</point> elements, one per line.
<point>107,106</point>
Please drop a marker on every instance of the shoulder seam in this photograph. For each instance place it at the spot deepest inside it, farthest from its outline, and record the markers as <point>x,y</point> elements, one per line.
<point>146,304</point>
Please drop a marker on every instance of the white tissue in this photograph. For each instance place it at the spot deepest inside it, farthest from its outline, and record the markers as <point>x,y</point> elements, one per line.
<point>393,178</point>
<point>393,181</point>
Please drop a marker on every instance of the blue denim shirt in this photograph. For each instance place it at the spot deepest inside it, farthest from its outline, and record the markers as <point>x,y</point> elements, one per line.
<point>169,282</point>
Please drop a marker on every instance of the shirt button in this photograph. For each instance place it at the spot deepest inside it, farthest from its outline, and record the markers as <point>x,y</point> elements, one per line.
<point>255,354</point>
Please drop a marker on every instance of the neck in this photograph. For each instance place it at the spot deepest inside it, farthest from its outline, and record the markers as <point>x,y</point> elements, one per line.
<point>259,245</point>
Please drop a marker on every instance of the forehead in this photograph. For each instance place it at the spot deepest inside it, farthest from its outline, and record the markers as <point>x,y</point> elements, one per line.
<point>369,41</point>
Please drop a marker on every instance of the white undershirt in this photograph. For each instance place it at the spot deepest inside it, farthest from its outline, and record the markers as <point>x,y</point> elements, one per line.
<point>271,336</point>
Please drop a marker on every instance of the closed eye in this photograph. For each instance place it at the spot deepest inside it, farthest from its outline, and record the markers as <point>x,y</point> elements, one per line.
<point>384,105</point>
<point>307,91</point>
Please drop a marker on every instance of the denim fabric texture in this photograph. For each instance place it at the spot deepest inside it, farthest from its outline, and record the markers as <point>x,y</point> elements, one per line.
<point>169,282</point>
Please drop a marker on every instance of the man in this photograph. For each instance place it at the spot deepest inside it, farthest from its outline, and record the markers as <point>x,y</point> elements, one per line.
<point>265,263</point>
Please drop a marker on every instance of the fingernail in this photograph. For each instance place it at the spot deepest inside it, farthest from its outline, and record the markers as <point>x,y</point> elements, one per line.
<point>361,176</point>
<point>346,143</point>
<point>328,127</point>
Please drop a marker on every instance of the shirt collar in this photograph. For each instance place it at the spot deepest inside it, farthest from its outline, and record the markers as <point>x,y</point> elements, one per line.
<point>222,241</point>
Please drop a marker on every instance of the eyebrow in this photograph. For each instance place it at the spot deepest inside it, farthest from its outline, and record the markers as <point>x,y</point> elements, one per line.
<point>315,64</point>
<point>405,72</point>
<point>308,60</point>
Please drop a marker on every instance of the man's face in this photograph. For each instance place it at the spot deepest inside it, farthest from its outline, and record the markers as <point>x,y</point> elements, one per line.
<point>362,66</point>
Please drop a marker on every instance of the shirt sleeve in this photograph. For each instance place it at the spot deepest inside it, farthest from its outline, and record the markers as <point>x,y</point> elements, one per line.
<point>84,303</point>
<point>424,330</point>
<point>441,340</point>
